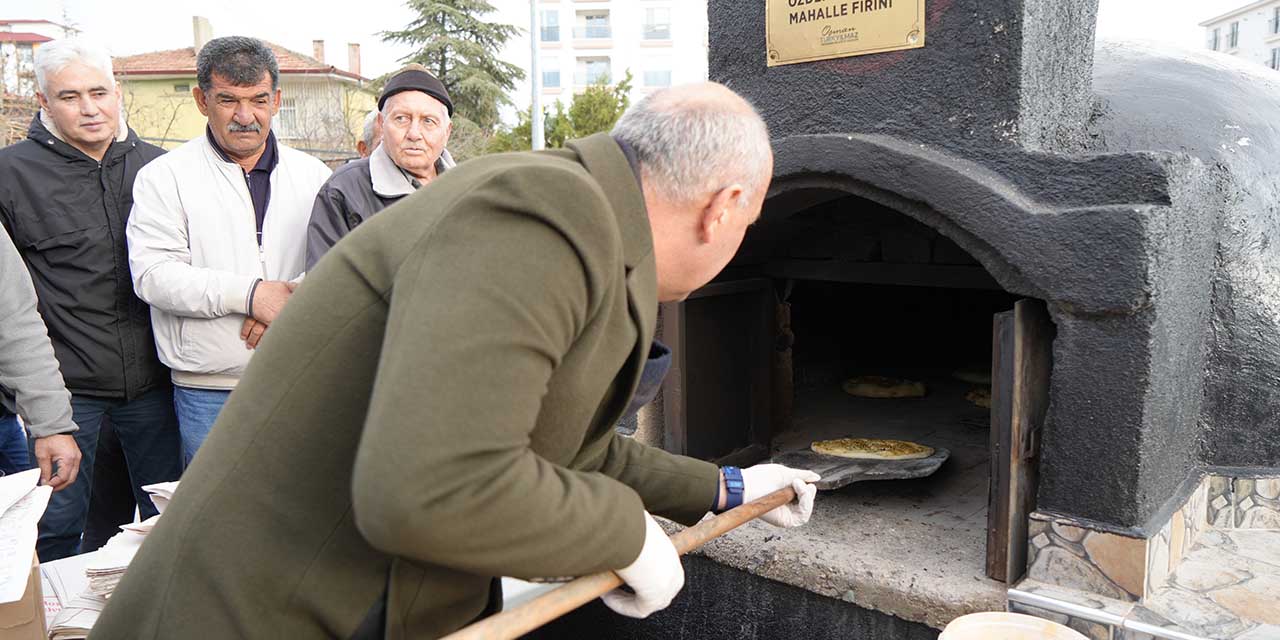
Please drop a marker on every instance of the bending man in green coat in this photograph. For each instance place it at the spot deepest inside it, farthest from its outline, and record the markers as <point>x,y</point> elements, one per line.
<point>435,407</point>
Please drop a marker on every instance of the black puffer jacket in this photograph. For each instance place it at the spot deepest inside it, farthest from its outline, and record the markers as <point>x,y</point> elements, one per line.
<point>66,213</point>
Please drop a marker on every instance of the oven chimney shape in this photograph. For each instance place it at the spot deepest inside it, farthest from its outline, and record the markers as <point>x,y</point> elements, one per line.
<point>317,50</point>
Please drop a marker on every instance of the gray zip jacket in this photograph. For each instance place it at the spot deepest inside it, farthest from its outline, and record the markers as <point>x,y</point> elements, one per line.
<point>355,192</point>
<point>29,375</point>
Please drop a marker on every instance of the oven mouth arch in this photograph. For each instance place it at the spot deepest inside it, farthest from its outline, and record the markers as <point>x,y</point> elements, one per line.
<point>960,200</point>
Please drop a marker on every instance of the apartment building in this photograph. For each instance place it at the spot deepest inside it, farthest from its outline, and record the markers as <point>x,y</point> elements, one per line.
<point>584,42</point>
<point>1251,32</point>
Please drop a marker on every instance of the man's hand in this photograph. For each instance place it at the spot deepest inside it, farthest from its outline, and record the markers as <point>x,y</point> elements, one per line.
<point>763,479</point>
<point>251,332</point>
<point>269,298</point>
<point>656,576</point>
<point>62,452</point>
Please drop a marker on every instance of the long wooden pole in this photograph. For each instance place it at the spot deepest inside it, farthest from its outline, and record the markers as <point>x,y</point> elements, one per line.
<point>553,604</point>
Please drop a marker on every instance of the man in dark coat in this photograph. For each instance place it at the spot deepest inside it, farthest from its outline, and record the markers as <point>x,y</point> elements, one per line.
<point>64,199</point>
<point>435,407</point>
<point>414,120</point>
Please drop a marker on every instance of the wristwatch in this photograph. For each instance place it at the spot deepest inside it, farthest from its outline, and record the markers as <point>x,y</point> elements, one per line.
<point>733,487</point>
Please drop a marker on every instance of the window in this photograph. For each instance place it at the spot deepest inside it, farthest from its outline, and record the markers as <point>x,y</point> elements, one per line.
<point>550,73</point>
<point>657,72</point>
<point>1274,25</point>
<point>550,25</point>
<point>592,71</point>
<point>1275,59</point>
<point>1215,39</point>
<point>1234,39</point>
<point>593,25</point>
<point>657,23</point>
<point>287,119</point>
<point>182,88</point>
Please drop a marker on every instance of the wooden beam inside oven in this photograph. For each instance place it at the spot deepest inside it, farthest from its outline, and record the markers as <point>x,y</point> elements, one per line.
<point>904,274</point>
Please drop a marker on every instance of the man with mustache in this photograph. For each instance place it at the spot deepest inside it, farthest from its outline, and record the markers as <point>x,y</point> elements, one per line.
<point>414,113</point>
<point>64,199</point>
<point>217,237</point>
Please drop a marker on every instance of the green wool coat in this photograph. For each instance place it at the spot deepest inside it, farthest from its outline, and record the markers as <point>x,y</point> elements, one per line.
<point>433,408</point>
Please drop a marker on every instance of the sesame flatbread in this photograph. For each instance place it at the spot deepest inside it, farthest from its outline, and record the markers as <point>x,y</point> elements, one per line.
<point>871,449</point>
<point>882,387</point>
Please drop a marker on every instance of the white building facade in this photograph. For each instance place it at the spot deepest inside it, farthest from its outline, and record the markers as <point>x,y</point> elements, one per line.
<point>1251,32</point>
<point>584,42</point>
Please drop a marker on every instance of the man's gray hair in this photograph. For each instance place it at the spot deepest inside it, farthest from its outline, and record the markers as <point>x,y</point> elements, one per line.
<point>240,60</point>
<point>53,57</point>
<point>370,123</point>
<point>691,146</point>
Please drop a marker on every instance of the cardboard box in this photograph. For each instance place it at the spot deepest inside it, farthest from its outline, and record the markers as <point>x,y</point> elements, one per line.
<point>24,619</point>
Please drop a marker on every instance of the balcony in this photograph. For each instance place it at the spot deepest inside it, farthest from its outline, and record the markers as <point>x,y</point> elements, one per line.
<point>660,32</point>
<point>593,32</point>
<point>588,78</point>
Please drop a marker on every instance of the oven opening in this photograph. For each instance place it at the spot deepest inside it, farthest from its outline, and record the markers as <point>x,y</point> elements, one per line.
<point>840,288</point>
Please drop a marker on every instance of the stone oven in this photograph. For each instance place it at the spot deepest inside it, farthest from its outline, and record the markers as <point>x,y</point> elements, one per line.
<point>1094,226</point>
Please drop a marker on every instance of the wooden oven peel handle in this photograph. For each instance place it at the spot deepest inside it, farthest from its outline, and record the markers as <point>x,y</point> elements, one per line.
<point>553,604</point>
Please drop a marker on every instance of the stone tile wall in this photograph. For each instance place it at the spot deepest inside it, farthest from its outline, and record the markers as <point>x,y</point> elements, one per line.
<point>1212,570</point>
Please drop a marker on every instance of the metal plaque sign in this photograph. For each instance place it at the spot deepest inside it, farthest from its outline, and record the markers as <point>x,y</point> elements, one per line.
<point>808,30</point>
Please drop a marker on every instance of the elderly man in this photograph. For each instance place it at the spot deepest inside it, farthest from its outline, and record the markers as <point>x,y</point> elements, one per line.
<point>414,117</point>
<point>370,135</point>
<point>65,194</point>
<point>217,238</point>
<point>483,336</point>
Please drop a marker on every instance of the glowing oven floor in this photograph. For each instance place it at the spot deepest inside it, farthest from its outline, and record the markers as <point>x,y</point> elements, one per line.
<point>912,548</point>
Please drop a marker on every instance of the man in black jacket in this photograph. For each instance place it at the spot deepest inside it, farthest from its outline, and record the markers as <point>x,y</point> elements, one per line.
<point>65,194</point>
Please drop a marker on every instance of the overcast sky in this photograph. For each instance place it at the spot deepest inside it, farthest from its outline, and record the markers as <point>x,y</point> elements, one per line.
<point>135,26</point>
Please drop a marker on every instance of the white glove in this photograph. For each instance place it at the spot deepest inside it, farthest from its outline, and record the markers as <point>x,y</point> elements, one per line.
<point>656,576</point>
<point>763,479</point>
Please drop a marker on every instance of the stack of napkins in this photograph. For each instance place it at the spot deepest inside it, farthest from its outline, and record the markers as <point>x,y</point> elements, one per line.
<point>104,568</point>
<point>109,563</point>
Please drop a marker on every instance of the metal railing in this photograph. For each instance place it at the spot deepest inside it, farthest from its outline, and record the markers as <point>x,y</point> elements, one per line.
<point>593,32</point>
<point>551,33</point>
<point>657,32</point>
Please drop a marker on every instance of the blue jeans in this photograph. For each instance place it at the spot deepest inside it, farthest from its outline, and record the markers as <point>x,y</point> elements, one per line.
<point>197,410</point>
<point>148,432</point>
<point>13,445</point>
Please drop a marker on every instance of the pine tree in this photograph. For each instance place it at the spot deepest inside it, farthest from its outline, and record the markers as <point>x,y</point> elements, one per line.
<point>596,109</point>
<point>461,49</point>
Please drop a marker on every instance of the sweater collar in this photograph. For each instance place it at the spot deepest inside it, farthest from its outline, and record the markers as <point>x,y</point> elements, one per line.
<point>390,181</point>
<point>266,162</point>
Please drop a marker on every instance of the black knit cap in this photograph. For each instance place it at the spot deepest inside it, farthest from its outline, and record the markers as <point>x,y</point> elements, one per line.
<point>415,77</point>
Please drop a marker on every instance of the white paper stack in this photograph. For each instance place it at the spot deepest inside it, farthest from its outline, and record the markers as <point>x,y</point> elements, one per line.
<point>21,505</point>
<point>77,617</point>
<point>109,563</point>
<point>102,571</point>
<point>161,493</point>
